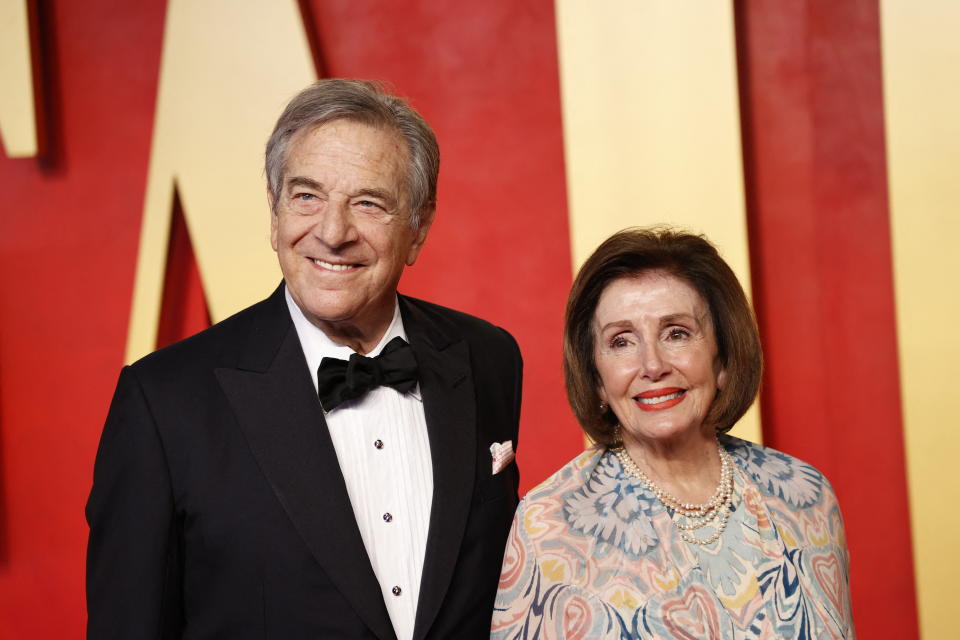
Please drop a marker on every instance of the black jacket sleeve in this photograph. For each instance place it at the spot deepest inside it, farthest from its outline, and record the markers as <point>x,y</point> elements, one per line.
<point>133,556</point>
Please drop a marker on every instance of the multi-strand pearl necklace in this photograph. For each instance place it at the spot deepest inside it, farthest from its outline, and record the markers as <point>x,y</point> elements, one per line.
<point>715,511</point>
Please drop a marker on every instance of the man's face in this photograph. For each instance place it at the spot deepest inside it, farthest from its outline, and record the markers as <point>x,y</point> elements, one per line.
<point>342,227</point>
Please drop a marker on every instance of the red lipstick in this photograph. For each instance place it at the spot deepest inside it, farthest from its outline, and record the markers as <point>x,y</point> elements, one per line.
<point>672,397</point>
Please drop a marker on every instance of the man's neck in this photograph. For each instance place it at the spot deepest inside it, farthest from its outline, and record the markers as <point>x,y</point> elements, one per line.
<point>352,335</point>
<point>361,335</point>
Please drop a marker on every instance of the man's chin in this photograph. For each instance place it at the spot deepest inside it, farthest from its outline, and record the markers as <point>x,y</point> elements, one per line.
<point>334,311</point>
<point>331,314</point>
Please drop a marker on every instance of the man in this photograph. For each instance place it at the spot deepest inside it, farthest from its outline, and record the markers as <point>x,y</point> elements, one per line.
<point>231,501</point>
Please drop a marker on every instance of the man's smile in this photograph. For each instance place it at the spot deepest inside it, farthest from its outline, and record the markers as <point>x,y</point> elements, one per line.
<point>330,266</point>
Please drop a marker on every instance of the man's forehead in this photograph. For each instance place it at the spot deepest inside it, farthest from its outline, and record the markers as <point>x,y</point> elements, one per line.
<point>347,124</point>
<point>350,143</point>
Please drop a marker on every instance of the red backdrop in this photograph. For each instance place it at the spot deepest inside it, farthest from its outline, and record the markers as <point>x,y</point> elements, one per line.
<point>812,111</point>
<point>485,76</point>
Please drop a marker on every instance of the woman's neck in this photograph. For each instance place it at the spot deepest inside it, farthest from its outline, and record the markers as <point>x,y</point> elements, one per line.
<point>687,467</point>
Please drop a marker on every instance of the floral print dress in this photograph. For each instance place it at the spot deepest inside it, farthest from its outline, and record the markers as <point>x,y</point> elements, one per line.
<point>593,554</point>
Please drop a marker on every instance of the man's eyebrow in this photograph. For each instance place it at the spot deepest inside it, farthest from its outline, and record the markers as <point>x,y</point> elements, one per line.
<point>386,196</point>
<point>310,183</point>
<point>301,181</point>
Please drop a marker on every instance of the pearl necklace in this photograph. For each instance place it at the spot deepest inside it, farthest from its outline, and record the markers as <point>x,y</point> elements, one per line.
<point>715,510</point>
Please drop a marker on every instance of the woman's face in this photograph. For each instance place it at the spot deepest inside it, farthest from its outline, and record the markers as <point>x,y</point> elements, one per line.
<point>656,355</point>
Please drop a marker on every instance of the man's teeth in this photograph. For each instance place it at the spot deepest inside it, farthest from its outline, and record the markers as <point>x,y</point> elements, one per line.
<point>659,399</point>
<point>331,266</point>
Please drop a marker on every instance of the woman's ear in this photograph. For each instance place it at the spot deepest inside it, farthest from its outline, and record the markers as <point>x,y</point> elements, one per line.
<point>603,395</point>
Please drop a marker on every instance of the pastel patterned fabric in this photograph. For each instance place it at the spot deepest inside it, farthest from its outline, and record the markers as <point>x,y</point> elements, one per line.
<point>593,554</point>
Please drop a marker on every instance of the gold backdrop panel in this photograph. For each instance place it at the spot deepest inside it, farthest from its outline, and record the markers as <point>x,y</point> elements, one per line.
<point>222,85</point>
<point>921,59</point>
<point>652,127</point>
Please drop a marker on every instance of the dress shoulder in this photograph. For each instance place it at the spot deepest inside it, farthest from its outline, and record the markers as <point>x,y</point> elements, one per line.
<point>795,495</point>
<point>781,476</point>
<point>570,476</point>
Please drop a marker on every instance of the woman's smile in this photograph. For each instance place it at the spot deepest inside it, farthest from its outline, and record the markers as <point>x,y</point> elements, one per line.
<point>660,399</point>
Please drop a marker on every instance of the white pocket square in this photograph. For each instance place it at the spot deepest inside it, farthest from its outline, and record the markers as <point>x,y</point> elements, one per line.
<point>502,454</point>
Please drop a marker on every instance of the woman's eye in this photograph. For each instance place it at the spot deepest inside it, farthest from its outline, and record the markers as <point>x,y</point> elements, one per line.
<point>677,334</point>
<point>619,342</point>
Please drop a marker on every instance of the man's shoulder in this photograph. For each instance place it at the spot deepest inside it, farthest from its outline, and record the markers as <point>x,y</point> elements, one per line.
<point>456,324</point>
<point>220,344</point>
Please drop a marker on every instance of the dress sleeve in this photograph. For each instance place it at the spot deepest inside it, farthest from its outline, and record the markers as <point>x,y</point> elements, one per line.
<point>133,559</point>
<point>825,564</point>
<point>514,614</point>
<point>840,539</point>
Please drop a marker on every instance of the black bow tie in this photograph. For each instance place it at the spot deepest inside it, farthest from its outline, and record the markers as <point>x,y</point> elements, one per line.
<point>341,380</point>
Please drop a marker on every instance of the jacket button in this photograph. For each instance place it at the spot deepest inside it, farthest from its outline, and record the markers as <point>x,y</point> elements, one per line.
<point>396,591</point>
<point>387,517</point>
<point>378,444</point>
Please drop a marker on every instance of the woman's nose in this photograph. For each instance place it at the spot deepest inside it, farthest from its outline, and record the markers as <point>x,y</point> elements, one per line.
<point>653,364</point>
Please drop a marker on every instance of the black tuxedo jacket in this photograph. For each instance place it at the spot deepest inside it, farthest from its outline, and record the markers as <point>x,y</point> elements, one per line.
<point>218,508</point>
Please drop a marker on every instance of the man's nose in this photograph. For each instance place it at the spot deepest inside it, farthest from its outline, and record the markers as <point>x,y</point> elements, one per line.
<point>335,226</point>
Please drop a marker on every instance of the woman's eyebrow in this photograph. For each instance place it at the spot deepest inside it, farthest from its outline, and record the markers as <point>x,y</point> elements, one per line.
<point>619,324</point>
<point>675,317</point>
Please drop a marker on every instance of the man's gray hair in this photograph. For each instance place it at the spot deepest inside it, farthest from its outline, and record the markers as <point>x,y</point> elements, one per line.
<point>367,103</point>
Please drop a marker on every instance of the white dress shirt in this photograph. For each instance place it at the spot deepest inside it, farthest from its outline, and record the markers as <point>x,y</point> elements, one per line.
<point>384,453</point>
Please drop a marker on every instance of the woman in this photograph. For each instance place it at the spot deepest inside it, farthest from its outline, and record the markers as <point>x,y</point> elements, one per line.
<point>668,528</point>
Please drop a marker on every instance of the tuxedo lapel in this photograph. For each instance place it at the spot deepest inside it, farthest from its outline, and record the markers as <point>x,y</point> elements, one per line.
<point>446,386</point>
<point>276,405</point>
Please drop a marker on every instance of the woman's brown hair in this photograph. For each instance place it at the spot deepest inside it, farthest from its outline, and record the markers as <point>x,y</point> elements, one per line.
<point>693,259</point>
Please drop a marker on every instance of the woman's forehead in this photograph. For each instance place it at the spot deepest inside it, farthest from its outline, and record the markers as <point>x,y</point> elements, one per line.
<point>651,294</point>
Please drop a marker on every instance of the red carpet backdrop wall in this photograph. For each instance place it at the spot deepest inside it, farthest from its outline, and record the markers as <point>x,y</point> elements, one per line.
<point>815,142</point>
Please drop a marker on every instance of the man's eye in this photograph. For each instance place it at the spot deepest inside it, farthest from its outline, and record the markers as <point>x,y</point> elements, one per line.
<point>304,196</point>
<point>368,204</point>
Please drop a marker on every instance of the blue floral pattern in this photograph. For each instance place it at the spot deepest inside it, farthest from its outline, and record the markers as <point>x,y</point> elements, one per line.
<point>613,511</point>
<point>593,554</point>
<point>779,475</point>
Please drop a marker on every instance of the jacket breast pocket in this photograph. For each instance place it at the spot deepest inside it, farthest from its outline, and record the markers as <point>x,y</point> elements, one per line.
<point>499,486</point>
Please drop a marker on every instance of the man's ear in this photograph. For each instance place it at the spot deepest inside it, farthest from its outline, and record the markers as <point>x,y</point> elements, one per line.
<point>426,221</point>
<point>274,230</point>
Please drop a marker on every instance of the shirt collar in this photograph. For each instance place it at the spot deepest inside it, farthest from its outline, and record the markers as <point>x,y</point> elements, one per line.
<point>316,345</point>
